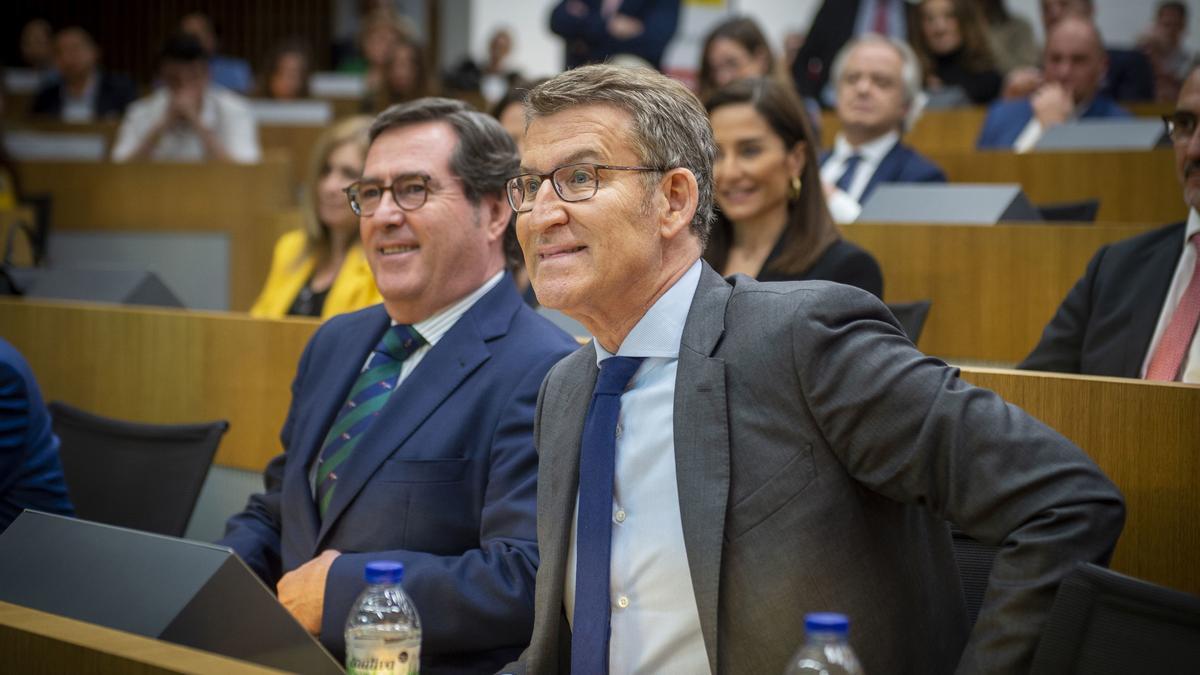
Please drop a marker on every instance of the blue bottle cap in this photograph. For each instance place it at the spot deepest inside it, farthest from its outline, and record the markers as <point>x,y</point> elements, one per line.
<point>384,572</point>
<point>826,622</point>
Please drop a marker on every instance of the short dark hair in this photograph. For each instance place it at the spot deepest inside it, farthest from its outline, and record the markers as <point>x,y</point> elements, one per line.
<point>1173,4</point>
<point>182,48</point>
<point>485,158</point>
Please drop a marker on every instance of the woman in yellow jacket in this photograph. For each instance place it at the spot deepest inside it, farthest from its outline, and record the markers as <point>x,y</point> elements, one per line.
<point>321,270</point>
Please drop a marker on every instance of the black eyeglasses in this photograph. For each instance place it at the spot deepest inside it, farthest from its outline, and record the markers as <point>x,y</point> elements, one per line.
<point>1181,125</point>
<point>409,193</point>
<point>572,183</point>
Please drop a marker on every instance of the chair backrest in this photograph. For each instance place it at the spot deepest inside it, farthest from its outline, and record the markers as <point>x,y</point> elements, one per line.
<point>1104,622</point>
<point>974,561</point>
<point>911,316</point>
<point>141,476</point>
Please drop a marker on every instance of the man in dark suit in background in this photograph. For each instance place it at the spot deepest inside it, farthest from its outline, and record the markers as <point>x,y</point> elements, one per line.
<point>1074,64</point>
<point>877,80</point>
<point>83,93</point>
<point>728,455</point>
<point>599,30</point>
<point>409,433</point>
<point>1134,311</point>
<point>835,23</point>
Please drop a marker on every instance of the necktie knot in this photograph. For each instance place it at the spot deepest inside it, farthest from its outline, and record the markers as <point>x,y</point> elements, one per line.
<point>615,373</point>
<point>847,177</point>
<point>399,342</point>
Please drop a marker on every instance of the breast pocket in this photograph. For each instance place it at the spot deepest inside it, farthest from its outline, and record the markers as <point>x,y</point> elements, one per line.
<point>774,494</point>
<point>422,470</point>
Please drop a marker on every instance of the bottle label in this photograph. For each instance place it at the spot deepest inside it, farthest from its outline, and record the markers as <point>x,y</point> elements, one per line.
<point>382,656</point>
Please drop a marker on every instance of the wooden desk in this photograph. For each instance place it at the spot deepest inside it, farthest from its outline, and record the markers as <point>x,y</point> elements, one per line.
<point>173,198</point>
<point>1145,437</point>
<point>39,642</point>
<point>173,366</point>
<point>1133,187</point>
<point>993,288</point>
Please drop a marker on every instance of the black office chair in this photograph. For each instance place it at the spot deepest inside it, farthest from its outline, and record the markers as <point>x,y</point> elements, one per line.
<point>1104,622</point>
<point>974,561</point>
<point>143,476</point>
<point>911,316</point>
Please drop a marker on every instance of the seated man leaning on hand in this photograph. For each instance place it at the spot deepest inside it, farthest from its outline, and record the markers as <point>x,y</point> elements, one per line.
<point>728,455</point>
<point>409,436</point>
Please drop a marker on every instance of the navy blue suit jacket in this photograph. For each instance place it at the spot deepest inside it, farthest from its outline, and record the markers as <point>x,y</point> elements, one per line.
<point>588,39</point>
<point>1105,324</point>
<point>901,164</point>
<point>31,475</point>
<point>444,481</point>
<point>113,94</point>
<point>1007,119</point>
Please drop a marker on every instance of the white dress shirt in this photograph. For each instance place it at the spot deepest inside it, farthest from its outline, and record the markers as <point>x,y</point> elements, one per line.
<point>1183,273</point>
<point>655,623</point>
<point>79,108</point>
<point>227,114</point>
<point>846,205</point>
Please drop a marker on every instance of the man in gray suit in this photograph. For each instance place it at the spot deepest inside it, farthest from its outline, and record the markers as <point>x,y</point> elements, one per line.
<point>778,449</point>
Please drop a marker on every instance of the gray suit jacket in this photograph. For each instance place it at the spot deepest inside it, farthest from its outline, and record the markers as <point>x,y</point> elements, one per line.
<point>818,456</point>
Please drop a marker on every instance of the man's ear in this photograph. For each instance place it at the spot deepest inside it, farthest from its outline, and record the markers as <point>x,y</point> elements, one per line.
<point>494,216</point>
<point>682,195</point>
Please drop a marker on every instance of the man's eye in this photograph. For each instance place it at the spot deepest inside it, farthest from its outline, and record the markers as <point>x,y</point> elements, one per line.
<point>369,193</point>
<point>580,177</point>
<point>532,184</point>
<point>411,188</point>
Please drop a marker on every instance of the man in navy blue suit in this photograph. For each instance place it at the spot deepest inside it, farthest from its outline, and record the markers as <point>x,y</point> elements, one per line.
<point>1074,65</point>
<point>442,477</point>
<point>876,79</point>
<point>597,30</point>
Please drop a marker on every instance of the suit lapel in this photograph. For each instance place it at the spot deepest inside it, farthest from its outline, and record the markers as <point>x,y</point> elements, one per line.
<point>337,367</point>
<point>701,428</point>
<point>1158,267</point>
<point>443,369</point>
<point>888,170</point>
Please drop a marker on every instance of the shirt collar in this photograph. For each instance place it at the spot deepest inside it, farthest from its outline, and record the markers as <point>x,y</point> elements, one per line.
<point>660,330</point>
<point>873,151</point>
<point>1192,228</point>
<point>436,326</point>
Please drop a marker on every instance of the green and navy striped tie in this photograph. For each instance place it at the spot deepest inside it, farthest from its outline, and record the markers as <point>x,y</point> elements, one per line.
<point>370,391</point>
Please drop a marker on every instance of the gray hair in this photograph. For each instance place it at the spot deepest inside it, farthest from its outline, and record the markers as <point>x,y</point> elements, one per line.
<point>670,127</point>
<point>484,159</point>
<point>486,155</point>
<point>910,70</point>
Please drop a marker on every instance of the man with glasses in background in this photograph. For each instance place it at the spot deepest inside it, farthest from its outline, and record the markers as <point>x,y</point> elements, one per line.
<point>1134,311</point>
<point>409,436</point>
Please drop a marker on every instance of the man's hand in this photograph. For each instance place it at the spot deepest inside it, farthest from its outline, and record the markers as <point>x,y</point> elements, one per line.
<point>184,106</point>
<point>1052,104</point>
<point>302,591</point>
<point>624,27</point>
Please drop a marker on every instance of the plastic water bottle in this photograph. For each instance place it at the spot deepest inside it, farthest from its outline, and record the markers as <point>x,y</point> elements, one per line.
<point>826,649</point>
<point>383,631</point>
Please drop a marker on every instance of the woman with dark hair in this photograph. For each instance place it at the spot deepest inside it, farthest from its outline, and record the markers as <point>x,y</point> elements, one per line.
<point>735,49</point>
<point>286,72</point>
<point>951,41</point>
<point>772,221</point>
<point>320,270</point>
<point>404,78</point>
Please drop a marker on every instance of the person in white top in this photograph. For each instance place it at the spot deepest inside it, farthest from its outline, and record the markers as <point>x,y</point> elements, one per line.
<point>189,119</point>
<point>878,81</point>
<point>1134,311</point>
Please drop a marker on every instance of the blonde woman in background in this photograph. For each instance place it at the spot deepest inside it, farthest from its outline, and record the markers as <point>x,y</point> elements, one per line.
<point>320,270</point>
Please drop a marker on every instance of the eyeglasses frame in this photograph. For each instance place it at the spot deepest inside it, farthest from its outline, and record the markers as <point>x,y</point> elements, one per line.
<point>549,177</point>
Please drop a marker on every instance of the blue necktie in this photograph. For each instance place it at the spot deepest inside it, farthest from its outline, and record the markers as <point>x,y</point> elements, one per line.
<point>370,391</point>
<point>847,178</point>
<point>593,530</point>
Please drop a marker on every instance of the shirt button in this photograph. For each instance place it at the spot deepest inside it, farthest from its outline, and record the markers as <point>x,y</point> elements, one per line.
<point>622,602</point>
<point>620,516</point>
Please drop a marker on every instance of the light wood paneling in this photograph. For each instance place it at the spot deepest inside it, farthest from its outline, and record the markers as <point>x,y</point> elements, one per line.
<point>39,642</point>
<point>165,366</point>
<point>993,288</point>
<point>1133,187</point>
<point>173,197</point>
<point>1146,438</point>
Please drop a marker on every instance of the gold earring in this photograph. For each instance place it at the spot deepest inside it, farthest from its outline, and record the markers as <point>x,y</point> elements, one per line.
<point>794,190</point>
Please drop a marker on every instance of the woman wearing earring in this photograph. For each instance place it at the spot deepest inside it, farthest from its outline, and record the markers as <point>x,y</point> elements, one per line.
<point>772,222</point>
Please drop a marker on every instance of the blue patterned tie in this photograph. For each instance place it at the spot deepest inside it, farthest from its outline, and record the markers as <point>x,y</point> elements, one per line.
<point>847,178</point>
<point>593,530</point>
<point>370,391</point>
